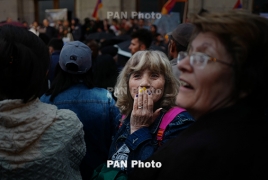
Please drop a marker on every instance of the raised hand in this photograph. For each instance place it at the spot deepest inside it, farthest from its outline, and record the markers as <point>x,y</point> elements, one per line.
<point>142,114</point>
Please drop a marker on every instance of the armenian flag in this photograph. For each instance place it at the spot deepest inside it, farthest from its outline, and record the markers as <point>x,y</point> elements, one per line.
<point>168,6</point>
<point>237,5</point>
<point>97,7</point>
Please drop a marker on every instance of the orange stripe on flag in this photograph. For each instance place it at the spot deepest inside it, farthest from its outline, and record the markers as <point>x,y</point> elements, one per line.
<point>168,6</point>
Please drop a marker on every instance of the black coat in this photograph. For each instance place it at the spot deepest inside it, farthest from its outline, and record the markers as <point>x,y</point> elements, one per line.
<point>228,143</point>
<point>51,32</point>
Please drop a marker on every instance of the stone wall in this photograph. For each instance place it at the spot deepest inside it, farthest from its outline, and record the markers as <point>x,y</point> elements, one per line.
<point>216,5</point>
<point>8,8</point>
<point>24,9</point>
<point>85,8</point>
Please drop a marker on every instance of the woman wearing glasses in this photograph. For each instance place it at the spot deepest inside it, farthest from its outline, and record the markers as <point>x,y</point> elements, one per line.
<point>224,86</point>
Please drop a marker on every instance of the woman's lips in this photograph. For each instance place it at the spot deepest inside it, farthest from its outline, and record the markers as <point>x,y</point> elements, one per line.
<point>185,84</point>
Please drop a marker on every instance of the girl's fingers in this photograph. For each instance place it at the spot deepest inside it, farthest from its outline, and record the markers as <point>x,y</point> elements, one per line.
<point>135,103</point>
<point>150,102</point>
<point>140,98</point>
<point>145,100</point>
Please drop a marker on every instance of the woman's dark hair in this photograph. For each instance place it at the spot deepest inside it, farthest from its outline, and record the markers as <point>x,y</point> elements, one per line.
<point>155,27</point>
<point>144,36</point>
<point>24,61</point>
<point>105,71</point>
<point>64,80</point>
<point>56,43</point>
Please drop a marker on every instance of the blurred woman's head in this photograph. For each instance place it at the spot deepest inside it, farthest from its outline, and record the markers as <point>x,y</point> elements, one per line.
<point>227,61</point>
<point>24,61</point>
<point>153,28</point>
<point>150,70</point>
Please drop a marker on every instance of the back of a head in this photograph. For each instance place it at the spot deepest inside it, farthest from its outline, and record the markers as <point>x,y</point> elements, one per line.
<point>44,37</point>
<point>75,67</point>
<point>105,71</point>
<point>155,28</point>
<point>24,61</point>
<point>245,37</point>
<point>144,36</point>
<point>75,58</point>
<point>94,47</point>
<point>56,44</point>
<point>181,35</point>
<point>46,22</point>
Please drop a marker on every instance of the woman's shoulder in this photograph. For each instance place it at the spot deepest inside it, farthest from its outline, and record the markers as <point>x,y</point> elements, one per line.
<point>101,90</point>
<point>66,128</point>
<point>104,93</point>
<point>95,90</point>
<point>183,118</point>
<point>79,91</point>
<point>61,117</point>
<point>177,114</point>
<point>68,118</point>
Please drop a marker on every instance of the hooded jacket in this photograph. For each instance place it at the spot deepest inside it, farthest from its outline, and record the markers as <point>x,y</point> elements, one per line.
<point>39,141</point>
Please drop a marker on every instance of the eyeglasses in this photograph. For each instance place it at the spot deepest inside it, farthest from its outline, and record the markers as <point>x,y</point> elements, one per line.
<point>198,59</point>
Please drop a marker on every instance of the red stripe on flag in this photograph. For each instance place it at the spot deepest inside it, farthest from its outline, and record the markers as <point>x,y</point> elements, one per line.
<point>97,7</point>
<point>237,5</point>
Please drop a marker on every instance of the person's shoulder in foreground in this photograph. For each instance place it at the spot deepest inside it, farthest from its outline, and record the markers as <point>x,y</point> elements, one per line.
<point>224,86</point>
<point>36,138</point>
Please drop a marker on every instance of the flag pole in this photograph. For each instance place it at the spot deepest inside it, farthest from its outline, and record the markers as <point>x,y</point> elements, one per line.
<point>185,11</point>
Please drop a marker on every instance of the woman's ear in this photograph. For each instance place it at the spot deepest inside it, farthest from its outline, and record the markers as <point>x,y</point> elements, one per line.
<point>142,47</point>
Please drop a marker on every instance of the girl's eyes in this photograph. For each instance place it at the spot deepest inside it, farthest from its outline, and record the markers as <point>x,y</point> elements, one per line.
<point>155,75</point>
<point>136,75</point>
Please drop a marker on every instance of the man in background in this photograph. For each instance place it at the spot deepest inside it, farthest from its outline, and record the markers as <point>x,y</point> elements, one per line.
<point>48,30</point>
<point>140,40</point>
<point>178,41</point>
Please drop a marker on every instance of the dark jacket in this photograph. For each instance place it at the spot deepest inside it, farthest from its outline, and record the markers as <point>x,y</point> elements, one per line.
<point>54,59</point>
<point>228,143</point>
<point>143,143</point>
<point>51,32</point>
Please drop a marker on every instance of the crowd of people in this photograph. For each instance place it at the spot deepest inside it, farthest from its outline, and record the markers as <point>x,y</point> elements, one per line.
<point>76,99</point>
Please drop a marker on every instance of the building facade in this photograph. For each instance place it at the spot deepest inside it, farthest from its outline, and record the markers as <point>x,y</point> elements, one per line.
<point>30,10</point>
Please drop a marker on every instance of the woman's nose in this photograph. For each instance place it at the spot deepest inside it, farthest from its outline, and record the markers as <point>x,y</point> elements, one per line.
<point>145,83</point>
<point>184,64</point>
